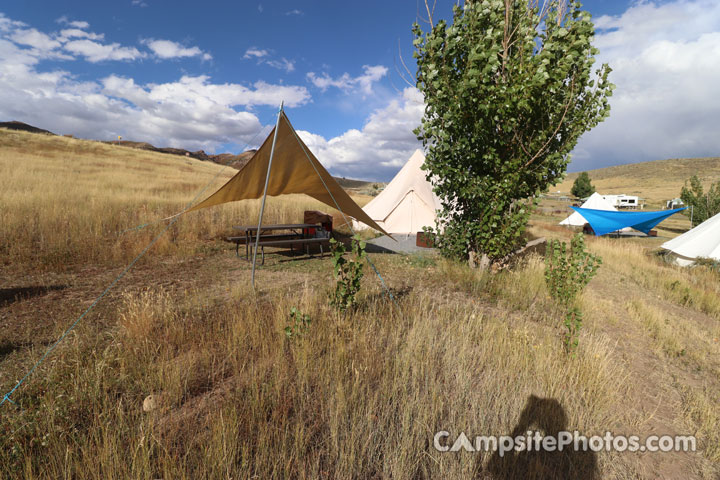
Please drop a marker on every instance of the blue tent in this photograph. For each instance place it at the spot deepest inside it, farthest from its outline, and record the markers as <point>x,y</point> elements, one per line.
<point>605,221</point>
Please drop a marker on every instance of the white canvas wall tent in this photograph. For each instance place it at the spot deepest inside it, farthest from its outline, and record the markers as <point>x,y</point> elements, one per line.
<point>702,241</point>
<point>595,202</point>
<point>408,203</point>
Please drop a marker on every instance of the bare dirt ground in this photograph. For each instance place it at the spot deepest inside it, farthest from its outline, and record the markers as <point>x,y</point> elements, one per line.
<point>656,383</point>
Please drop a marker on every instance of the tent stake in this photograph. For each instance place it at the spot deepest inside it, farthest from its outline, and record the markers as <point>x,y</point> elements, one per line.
<point>262,206</point>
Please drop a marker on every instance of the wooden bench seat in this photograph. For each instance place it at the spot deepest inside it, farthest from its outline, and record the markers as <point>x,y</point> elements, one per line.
<point>291,242</point>
<point>240,240</point>
<point>243,240</point>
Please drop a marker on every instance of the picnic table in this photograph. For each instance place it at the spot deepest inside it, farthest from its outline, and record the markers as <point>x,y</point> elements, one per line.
<point>294,234</point>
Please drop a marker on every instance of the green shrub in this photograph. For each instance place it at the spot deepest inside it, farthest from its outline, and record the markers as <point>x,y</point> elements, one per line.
<point>299,324</point>
<point>566,274</point>
<point>348,273</point>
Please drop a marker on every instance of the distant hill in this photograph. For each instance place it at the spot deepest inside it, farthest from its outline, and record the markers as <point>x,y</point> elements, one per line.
<point>232,160</point>
<point>15,125</point>
<point>235,161</point>
<point>361,186</point>
<point>655,181</point>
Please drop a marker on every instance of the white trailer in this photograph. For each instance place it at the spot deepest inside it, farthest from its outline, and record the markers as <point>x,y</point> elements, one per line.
<point>623,201</point>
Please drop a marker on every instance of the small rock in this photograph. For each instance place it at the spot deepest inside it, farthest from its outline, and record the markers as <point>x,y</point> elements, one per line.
<point>152,402</point>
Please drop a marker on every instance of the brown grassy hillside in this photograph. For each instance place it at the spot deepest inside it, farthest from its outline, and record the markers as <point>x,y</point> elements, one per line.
<point>656,181</point>
<point>67,201</point>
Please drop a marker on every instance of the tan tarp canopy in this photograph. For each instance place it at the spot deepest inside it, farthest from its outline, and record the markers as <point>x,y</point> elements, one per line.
<point>294,170</point>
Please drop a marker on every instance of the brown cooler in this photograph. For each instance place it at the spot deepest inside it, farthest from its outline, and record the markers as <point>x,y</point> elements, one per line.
<point>317,217</point>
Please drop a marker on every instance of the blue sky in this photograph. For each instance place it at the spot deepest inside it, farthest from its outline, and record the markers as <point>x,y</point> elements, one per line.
<point>210,76</point>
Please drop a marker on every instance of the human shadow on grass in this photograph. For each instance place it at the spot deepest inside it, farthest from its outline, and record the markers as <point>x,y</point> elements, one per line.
<point>16,294</point>
<point>547,416</point>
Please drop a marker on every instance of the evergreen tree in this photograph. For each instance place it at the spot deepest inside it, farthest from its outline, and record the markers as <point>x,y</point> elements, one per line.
<point>582,187</point>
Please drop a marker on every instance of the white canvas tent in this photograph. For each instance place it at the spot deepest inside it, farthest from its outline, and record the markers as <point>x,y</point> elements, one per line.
<point>596,202</point>
<point>702,241</point>
<point>408,203</point>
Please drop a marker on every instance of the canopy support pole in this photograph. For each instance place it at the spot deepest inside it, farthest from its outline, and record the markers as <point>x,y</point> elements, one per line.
<point>262,206</point>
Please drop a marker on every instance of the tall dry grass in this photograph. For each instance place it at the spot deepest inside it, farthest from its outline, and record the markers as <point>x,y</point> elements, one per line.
<point>357,396</point>
<point>696,288</point>
<point>65,201</point>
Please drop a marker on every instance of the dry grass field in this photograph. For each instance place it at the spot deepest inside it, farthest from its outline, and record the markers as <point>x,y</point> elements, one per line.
<point>656,181</point>
<point>359,395</point>
<point>67,201</point>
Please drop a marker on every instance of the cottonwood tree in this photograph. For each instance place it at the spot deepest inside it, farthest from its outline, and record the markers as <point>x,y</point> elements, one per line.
<point>704,205</point>
<point>509,88</point>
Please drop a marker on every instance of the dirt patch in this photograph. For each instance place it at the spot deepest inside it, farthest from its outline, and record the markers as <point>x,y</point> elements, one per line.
<point>655,383</point>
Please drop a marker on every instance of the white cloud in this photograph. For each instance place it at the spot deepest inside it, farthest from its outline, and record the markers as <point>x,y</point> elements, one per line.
<point>64,20</point>
<point>363,83</point>
<point>192,112</point>
<point>168,49</point>
<point>78,41</point>
<point>35,39</point>
<point>666,65</point>
<point>78,24</point>
<point>75,40</point>
<point>98,52</point>
<point>13,58</point>
<point>7,24</point>
<point>282,64</point>
<point>324,81</point>
<point>380,148</point>
<point>139,3</point>
<point>372,74</point>
<point>69,33</point>
<point>254,52</point>
<point>261,55</point>
<point>194,90</point>
<point>294,12</point>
